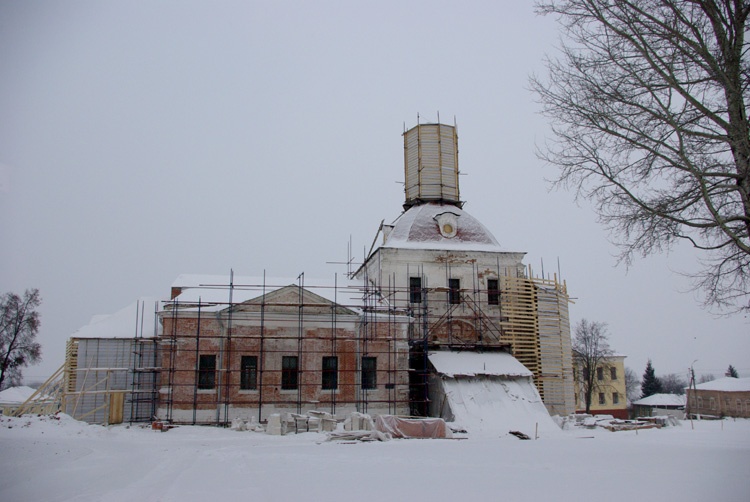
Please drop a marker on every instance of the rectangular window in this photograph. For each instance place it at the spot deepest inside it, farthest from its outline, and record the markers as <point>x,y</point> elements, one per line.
<point>330,373</point>
<point>249,373</point>
<point>613,373</point>
<point>700,402</point>
<point>712,403</point>
<point>493,292</point>
<point>289,373</point>
<point>615,398</point>
<point>600,373</point>
<point>602,399</point>
<point>206,371</point>
<point>454,291</point>
<point>369,372</point>
<point>415,290</point>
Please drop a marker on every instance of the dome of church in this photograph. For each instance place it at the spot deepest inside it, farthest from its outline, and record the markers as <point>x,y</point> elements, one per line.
<point>439,226</point>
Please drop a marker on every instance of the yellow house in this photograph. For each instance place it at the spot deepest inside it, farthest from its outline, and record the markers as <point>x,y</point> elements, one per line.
<point>609,396</point>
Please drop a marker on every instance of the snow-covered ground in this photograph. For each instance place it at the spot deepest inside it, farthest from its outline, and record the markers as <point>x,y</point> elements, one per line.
<point>50,459</point>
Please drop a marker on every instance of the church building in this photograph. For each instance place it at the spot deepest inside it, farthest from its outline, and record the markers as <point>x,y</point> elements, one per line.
<point>463,291</point>
<point>436,298</point>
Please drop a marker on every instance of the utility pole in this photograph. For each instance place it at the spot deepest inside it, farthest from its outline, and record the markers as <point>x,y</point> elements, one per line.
<point>691,397</point>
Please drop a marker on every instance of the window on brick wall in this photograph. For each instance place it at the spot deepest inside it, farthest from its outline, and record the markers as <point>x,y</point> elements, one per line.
<point>289,372</point>
<point>415,290</point>
<point>493,292</point>
<point>600,373</point>
<point>369,372</point>
<point>249,373</point>
<point>602,398</point>
<point>612,373</point>
<point>330,377</point>
<point>206,371</point>
<point>615,398</point>
<point>454,291</point>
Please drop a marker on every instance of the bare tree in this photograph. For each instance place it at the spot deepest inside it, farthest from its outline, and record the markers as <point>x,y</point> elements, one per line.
<point>632,385</point>
<point>648,107</point>
<point>19,324</point>
<point>590,352</point>
<point>706,377</point>
<point>673,384</point>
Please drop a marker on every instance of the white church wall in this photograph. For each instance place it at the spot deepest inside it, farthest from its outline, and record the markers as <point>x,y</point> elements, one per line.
<point>391,269</point>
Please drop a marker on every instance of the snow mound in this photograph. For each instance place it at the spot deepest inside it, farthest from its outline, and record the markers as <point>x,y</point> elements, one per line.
<point>58,424</point>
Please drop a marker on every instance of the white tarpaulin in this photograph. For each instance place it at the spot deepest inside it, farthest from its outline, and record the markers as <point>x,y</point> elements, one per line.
<point>399,427</point>
<point>488,394</point>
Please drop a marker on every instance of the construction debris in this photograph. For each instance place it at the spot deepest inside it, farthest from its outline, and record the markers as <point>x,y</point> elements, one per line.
<point>612,424</point>
<point>399,427</point>
<point>519,434</point>
<point>358,436</point>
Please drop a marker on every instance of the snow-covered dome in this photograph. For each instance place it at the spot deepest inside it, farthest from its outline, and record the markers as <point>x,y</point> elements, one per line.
<point>439,226</point>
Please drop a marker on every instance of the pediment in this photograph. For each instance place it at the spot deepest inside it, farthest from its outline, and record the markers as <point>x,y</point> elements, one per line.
<point>288,299</point>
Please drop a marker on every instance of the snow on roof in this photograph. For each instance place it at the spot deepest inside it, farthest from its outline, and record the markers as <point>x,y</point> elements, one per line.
<point>418,228</point>
<point>477,363</point>
<point>137,319</point>
<point>726,384</point>
<point>662,400</point>
<point>16,394</point>
<point>215,289</point>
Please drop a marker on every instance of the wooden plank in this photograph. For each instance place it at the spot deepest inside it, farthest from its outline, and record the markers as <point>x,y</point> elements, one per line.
<point>116,407</point>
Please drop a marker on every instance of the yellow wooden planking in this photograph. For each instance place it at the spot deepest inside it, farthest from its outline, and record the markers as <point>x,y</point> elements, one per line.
<point>116,407</point>
<point>431,163</point>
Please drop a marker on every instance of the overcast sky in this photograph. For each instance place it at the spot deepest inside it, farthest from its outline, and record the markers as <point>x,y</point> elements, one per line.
<point>143,140</point>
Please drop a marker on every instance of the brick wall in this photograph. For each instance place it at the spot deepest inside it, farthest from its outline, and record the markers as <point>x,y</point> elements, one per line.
<point>269,341</point>
<point>719,403</point>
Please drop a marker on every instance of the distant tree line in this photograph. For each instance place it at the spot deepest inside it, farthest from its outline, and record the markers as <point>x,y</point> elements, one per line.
<point>671,383</point>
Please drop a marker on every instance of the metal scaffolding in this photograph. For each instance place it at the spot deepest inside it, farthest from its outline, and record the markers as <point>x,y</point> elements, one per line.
<point>291,347</point>
<point>282,348</point>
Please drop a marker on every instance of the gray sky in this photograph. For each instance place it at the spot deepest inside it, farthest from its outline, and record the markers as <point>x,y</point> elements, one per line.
<point>142,140</point>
